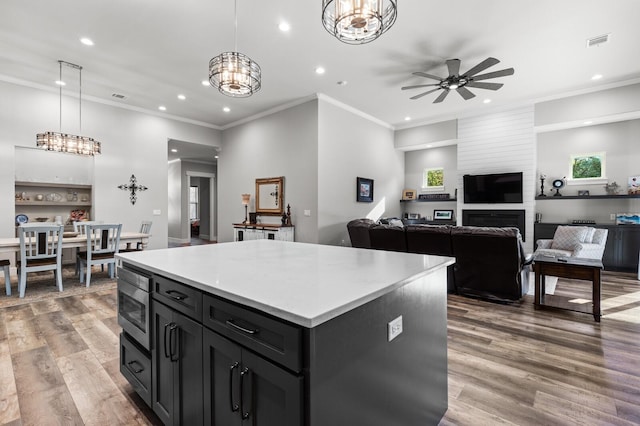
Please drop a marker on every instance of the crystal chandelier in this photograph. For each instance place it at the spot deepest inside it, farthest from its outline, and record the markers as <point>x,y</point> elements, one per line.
<point>233,73</point>
<point>358,21</point>
<point>63,142</point>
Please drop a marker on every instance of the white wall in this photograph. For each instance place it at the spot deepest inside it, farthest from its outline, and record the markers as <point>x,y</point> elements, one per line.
<point>132,143</point>
<point>284,143</point>
<point>498,143</point>
<point>351,146</point>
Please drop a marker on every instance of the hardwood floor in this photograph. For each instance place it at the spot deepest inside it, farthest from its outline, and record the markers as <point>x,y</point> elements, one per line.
<point>508,364</point>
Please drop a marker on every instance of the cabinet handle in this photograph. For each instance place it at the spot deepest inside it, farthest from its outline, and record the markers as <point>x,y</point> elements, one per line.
<point>244,330</point>
<point>134,369</point>
<point>234,407</point>
<point>176,295</point>
<point>166,340</point>
<point>247,414</point>
<point>174,342</point>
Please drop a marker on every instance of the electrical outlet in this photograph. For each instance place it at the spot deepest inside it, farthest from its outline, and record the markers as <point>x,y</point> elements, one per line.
<point>156,212</point>
<point>612,216</point>
<point>307,213</point>
<point>394,328</point>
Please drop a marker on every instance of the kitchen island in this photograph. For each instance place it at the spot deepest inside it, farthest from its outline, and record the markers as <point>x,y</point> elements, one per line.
<point>280,333</point>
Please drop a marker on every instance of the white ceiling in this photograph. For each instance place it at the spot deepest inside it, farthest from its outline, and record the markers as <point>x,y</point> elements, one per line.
<point>153,50</point>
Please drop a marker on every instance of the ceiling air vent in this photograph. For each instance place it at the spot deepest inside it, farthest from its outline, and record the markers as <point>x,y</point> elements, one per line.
<point>118,96</point>
<point>598,41</point>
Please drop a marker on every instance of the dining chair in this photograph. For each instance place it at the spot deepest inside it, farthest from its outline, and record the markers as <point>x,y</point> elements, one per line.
<point>80,227</point>
<point>5,264</point>
<point>145,228</point>
<point>103,241</point>
<point>40,250</point>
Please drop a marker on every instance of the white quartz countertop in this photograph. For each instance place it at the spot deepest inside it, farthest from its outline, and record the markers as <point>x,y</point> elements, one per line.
<point>306,284</point>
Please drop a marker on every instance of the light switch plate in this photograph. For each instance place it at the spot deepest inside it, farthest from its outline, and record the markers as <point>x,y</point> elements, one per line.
<point>394,328</point>
<point>156,212</point>
<point>307,212</point>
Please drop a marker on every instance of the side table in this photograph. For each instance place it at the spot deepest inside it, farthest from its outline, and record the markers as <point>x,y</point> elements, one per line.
<point>567,267</point>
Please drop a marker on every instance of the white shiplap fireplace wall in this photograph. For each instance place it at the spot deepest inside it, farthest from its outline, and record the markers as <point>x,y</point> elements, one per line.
<point>497,143</point>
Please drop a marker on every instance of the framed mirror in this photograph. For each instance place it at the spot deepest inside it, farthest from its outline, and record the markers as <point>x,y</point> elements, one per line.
<point>270,196</point>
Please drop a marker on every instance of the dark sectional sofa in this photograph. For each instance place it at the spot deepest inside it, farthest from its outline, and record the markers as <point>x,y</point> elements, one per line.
<point>490,262</point>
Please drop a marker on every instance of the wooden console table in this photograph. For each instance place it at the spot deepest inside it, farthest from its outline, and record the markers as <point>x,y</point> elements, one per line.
<point>567,267</point>
<point>262,231</point>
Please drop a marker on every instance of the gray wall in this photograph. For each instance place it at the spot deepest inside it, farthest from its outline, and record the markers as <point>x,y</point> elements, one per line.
<point>618,140</point>
<point>349,146</point>
<point>132,143</point>
<point>284,143</point>
<point>414,164</point>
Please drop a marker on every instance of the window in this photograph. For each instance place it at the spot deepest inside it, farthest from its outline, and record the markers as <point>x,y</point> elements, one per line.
<point>588,168</point>
<point>194,206</point>
<point>433,179</point>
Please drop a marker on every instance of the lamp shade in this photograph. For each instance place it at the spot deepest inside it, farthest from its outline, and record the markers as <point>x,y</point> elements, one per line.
<point>358,21</point>
<point>245,199</point>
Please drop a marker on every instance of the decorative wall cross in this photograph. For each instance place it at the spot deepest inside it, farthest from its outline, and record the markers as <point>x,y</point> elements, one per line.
<point>133,187</point>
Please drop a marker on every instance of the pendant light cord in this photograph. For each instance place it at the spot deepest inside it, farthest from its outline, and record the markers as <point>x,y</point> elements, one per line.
<point>80,100</point>
<point>60,107</point>
<point>235,34</point>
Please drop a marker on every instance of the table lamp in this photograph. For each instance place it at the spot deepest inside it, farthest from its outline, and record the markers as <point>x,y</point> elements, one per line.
<point>245,202</point>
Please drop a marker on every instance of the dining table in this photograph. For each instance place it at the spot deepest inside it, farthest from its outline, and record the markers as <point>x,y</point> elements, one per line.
<point>12,244</point>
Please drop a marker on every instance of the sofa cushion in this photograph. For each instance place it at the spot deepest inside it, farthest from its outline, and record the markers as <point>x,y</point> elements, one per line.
<point>429,239</point>
<point>568,237</point>
<point>588,238</point>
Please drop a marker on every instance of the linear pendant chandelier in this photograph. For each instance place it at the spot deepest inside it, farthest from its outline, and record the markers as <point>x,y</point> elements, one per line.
<point>358,21</point>
<point>64,142</point>
<point>233,73</point>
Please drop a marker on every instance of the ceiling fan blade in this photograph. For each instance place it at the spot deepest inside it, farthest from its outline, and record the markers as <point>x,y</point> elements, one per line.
<point>424,74</point>
<point>465,93</point>
<point>488,86</point>
<point>419,85</point>
<point>425,93</point>
<point>441,97</point>
<point>489,62</point>
<point>454,66</point>
<point>495,74</point>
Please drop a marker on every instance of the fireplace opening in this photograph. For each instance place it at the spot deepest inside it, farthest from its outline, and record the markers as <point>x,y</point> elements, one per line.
<point>497,218</point>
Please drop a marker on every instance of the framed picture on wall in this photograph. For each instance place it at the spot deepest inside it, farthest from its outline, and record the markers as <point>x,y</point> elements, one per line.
<point>443,215</point>
<point>364,190</point>
<point>409,194</point>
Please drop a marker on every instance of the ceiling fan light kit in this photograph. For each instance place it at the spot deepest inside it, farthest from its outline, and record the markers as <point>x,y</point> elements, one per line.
<point>461,82</point>
<point>358,21</point>
<point>233,73</point>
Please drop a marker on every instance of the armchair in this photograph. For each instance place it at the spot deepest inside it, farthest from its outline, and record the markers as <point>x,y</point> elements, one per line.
<point>575,241</point>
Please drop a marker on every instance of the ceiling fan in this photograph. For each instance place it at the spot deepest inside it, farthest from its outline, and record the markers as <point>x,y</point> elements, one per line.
<point>460,82</point>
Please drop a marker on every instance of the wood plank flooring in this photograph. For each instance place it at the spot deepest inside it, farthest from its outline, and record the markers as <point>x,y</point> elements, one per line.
<point>508,364</point>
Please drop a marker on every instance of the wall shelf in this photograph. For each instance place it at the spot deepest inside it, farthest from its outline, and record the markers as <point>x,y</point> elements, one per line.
<point>587,197</point>
<point>430,200</point>
<point>53,185</point>
<point>53,203</point>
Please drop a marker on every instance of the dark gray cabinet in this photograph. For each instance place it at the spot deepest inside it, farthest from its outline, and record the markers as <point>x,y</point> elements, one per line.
<point>241,387</point>
<point>177,367</point>
<point>621,251</point>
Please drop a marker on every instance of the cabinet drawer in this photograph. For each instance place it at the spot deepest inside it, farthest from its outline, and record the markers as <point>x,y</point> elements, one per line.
<point>135,365</point>
<point>276,340</point>
<point>178,296</point>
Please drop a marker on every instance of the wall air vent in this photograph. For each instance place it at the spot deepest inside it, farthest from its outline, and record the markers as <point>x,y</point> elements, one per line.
<point>598,41</point>
<point>118,96</point>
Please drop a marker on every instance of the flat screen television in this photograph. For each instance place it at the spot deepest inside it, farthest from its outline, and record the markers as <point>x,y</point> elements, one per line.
<point>493,188</point>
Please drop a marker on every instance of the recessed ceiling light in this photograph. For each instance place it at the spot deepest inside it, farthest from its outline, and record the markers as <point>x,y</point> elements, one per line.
<point>320,70</point>
<point>596,77</point>
<point>206,83</point>
<point>162,108</point>
<point>60,83</point>
<point>215,156</point>
<point>226,109</point>
<point>586,123</point>
<point>86,41</point>
<point>407,119</point>
<point>284,26</point>
<point>174,150</point>
<point>487,101</point>
<point>182,97</point>
<point>429,146</point>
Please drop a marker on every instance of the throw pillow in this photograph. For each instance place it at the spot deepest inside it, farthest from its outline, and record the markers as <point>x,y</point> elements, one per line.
<point>568,237</point>
<point>588,238</point>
